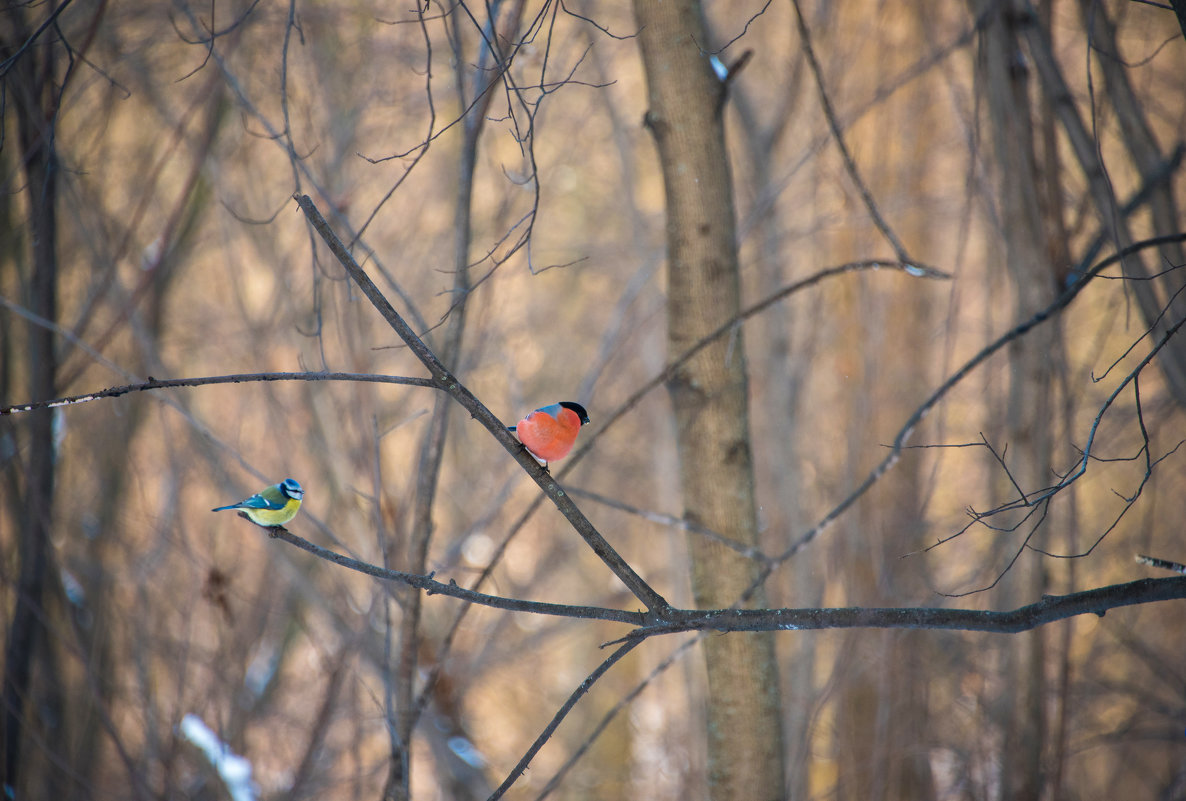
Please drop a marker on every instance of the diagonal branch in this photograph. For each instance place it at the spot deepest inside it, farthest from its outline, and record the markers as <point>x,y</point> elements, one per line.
<point>904,433</point>
<point>561,714</point>
<point>453,590</point>
<point>446,381</point>
<point>1085,148</point>
<point>849,164</point>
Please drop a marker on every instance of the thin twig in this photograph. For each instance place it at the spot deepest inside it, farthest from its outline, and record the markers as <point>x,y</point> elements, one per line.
<point>236,378</point>
<point>849,165</point>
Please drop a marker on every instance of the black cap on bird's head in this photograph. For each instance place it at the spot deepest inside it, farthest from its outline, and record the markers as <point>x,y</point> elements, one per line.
<point>292,489</point>
<point>578,408</point>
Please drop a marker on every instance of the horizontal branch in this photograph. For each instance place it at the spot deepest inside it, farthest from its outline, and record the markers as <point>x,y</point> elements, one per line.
<point>1048,610</point>
<point>237,378</point>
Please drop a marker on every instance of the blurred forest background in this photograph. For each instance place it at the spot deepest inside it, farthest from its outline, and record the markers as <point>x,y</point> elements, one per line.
<point>147,228</point>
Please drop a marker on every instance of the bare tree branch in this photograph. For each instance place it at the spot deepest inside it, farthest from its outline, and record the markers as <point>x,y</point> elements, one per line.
<point>236,378</point>
<point>1060,303</point>
<point>454,590</point>
<point>833,123</point>
<point>562,713</point>
<point>446,381</point>
<point>1049,609</point>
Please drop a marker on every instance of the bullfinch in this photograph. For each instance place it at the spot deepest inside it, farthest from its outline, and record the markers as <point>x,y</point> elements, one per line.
<point>273,506</point>
<point>549,433</point>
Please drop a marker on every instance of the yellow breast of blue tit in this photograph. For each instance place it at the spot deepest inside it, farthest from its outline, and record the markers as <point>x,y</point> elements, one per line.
<point>273,506</point>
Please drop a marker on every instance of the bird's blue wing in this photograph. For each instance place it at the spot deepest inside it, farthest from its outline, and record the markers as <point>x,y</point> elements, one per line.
<point>260,502</point>
<point>553,410</point>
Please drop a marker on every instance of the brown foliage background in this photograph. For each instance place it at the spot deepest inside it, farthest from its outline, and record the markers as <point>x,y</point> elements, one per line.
<point>182,255</point>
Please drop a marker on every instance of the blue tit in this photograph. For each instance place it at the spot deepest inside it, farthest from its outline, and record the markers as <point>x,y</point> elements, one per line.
<point>272,507</point>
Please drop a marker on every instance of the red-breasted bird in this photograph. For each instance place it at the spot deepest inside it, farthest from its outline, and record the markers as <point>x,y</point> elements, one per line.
<point>549,433</point>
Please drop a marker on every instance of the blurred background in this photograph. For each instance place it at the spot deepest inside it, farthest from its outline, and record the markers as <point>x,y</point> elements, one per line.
<point>167,244</point>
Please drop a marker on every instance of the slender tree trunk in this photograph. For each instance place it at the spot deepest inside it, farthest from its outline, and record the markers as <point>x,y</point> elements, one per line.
<point>1024,220</point>
<point>428,474</point>
<point>33,100</point>
<point>709,394</point>
<point>782,368</point>
<point>1082,143</point>
<point>1146,155</point>
<point>398,786</point>
<point>884,733</point>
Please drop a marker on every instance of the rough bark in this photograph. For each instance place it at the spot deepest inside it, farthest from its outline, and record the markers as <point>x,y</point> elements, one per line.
<point>709,394</point>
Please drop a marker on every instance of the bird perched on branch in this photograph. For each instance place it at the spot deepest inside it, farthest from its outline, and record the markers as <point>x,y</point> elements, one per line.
<point>273,506</point>
<point>549,433</point>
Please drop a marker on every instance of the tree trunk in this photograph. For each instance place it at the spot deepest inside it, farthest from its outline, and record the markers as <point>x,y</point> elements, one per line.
<point>1025,244</point>
<point>33,100</point>
<point>709,394</point>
